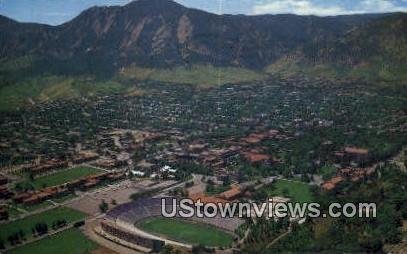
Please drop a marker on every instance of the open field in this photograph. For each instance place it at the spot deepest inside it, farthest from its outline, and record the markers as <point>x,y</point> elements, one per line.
<point>187,232</point>
<point>201,75</point>
<point>297,191</point>
<point>70,241</point>
<point>49,88</point>
<point>32,208</point>
<point>47,217</point>
<point>44,204</point>
<point>62,177</point>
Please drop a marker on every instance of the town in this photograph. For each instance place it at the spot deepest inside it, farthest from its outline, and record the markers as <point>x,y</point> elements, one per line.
<point>219,145</point>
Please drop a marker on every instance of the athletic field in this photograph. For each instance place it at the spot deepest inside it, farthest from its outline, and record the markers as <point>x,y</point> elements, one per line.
<point>297,191</point>
<point>70,241</point>
<point>48,217</point>
<point>62,177</point>
<point>186,232</point>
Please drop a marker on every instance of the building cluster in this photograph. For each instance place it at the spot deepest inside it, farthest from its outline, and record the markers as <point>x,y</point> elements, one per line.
<point>353,156</point>
<point>39,168</point>
<point>85,183</point>
<point>5,192</point>
<point>175,149</point>
<point>232,194</point>
<point>347,174</point>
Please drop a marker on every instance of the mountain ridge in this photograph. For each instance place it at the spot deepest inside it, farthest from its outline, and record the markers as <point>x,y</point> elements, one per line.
<point>164,34</point>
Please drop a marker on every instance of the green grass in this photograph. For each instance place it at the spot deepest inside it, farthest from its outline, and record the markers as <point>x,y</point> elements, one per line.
<point>200,75</point>
<point>327,171</point>
<point>70,241</point>
<point>48,217</point>
<point>375,69</point>
<point>187,232</point>
<point>62,177</point>
<point>13,212</point>
<point>297,191</point>
<point>32,208</point>
<point>49,88</point>
<point>46,88</point>
<point>46,203</point>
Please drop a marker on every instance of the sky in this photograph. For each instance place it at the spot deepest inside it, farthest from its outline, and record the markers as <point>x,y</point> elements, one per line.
<point>55,12</point>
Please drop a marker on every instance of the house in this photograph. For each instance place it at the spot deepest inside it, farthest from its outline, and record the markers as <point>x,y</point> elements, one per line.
<point>3,213</point>
<point>256,157</point>
<point>138,173</point>
<point>3,180</point>
<point>5,193</point>
<point>207,199</point>
<point>84,156</point>
<point>331,184</point>
<point>232,194</point>
<point>358,155</point>
<point>168,169</point>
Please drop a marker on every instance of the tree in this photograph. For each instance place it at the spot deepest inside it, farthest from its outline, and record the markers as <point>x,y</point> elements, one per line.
<point>227,181</point>
<point>41,228</point>
<point>21,234</point>
<point>103,206</point>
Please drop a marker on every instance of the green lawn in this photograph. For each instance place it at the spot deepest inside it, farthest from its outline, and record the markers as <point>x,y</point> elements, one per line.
<point>297,191</point>
<point>62,177</point>
<point>70,241</point>
<point>45,204</point>
<point>48,88</point>
<point>327,171</point>
<point>48,217</point>
<point>32,208</point>
<point>201,75</point>
<point>13,212</point>
<point>187,232</point>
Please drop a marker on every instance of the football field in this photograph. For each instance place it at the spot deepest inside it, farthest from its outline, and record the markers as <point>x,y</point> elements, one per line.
<point>186,232</point>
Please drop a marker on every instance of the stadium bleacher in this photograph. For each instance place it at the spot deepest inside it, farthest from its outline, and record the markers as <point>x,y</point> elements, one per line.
<point>136,211</point>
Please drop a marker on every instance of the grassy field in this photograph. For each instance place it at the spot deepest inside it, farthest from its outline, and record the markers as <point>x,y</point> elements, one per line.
<point>70,241</point>
<point>187,232</point>
<point>32,208</point>
<point>49,88</point>
<point>376,70</point>
<point>297,191</point>
<point>13,212</point>
<point>200,75</point>
<point>48,217</point>
<point>62,177</point>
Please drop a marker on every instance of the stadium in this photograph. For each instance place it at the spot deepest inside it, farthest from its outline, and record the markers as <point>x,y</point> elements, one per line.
<point>140,225</point>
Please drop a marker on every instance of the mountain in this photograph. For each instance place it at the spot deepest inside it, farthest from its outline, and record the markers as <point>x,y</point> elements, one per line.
<point>162,33</point>
<point>374,51</point>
